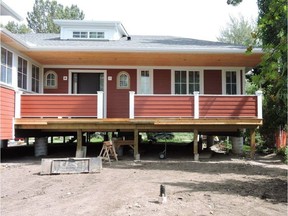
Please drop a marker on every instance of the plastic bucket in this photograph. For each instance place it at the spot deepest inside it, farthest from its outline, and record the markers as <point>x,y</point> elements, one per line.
<point>237,145</point>
<point>40,147</point>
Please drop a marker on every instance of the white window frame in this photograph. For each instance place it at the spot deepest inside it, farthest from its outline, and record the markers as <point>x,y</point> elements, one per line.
<point>7,66</point>
<point>201,79</point>
<point>46,86</point>
<point>37,81</point>
<point>23,74</point>
<point>238,81</point>
<point>119,86</point>
<point>151,77</point>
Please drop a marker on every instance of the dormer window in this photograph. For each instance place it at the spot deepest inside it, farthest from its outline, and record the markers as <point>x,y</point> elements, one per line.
<point>91,30</point>
<point>96,35</point>
<point>78,34</point>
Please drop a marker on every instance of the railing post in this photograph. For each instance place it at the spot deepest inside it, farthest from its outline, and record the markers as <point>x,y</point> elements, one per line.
<point>100,104</point>
<point>131,104</point>
<point>18,104</point>
<point>196,104</point>
<point>259,95</point>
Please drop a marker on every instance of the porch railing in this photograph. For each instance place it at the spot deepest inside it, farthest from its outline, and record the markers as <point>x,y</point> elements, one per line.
<point>196,106</point>
<point>60,105</point>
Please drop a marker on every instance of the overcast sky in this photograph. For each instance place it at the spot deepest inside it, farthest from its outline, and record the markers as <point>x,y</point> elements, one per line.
<point>199,19</point>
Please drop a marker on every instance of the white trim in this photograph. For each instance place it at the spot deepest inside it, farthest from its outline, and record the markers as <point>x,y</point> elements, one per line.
<point>201,77</point>
<point>196,105</point>
<point>70,71</point>
<point>131,104</point>
<point>259,104</point>
<point>238,82</point>
<point>100,104</point>
<point>17,113</point>
<point>45,80</point>
<point>151,78</point>
<point>118,80</point>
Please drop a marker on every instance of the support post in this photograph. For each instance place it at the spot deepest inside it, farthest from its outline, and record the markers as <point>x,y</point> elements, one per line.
<point>18,104</point>
<point>196,104</point>
<point>79,151</point>
<point>259,104</point>
<point>136,149</point>
<point>131,104</point>
<point>100,104</point>
<point>252,142</point>
<point>195,146</point>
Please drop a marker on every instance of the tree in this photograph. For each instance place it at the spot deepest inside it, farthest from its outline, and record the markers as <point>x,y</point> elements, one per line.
<point>17,28</point>
<point>238,31</point>
<point>40,20</point>
<point>272,74</point>
<point>272,78</point>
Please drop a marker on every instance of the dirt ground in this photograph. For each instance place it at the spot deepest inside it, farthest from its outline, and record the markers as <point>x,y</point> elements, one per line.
<point>221,185</point>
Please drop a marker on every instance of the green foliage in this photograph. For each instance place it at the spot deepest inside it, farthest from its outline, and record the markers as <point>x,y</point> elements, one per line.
<point>40,20</point>
<point>273,75</point>
<point>238,31</point>
<point>17,28</point>
<point>234,2</point>
<point>283,152</point>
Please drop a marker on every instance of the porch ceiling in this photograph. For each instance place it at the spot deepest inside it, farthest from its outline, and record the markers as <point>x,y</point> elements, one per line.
<point>144,58</point>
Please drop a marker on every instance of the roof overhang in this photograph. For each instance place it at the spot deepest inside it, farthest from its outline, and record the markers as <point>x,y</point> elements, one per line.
<point>148,56</point>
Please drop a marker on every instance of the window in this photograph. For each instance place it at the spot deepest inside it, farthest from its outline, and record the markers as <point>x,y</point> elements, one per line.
<point>6,66</point>
<point>78,34</point>
<point>35,78</point>
<point>22,73</point>
<point>123,80</point>
<point>51,79</point>
<point>187,81</point>
<point>85,34</point>
<point>96,34</point>
<point>231,82</point>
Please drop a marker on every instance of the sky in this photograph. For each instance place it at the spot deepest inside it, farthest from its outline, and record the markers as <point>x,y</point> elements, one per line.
<point>198,19</point>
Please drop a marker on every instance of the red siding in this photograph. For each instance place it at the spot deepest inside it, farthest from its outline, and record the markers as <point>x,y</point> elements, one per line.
<point>212,82</point>
<point>58,105</point>
<point>7,107</point>
<point>162,81</point>
<point>164,106</point>
<point>62,87</point>
<point>228,106</point>
<point>118,99</point>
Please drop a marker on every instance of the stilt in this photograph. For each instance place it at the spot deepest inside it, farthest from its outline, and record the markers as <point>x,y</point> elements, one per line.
<point>136,151</point>
<point>79,151</point>
<point>252,143</point>
<point>195,146</point>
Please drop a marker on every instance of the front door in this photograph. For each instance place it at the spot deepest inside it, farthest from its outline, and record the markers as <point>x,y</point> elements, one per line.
<point>212,82</point>
<point>87,83</point>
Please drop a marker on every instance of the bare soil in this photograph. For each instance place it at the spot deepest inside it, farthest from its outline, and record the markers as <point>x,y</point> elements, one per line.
<point>221,185</point>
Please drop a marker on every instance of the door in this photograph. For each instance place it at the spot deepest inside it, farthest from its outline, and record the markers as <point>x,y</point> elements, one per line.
<point>212,82</point>
<point>87,83</point>
<point>145,78</point>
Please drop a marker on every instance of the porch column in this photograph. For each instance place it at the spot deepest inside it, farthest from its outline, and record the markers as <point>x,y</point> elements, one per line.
<point>100,104</point>
<point>196,104</point>
<point>195,146</point>
<point>79,150</point>
<point>252,142</point>
<point>131,104</point>
<point>136,150</point>
<point>259,104</point>
<point>18,104</point>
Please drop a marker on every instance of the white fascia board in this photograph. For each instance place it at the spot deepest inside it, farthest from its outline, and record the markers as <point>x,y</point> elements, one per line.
<point>6,10</point>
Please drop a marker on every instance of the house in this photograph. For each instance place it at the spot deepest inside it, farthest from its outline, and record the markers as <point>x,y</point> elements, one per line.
<point>94,76</point>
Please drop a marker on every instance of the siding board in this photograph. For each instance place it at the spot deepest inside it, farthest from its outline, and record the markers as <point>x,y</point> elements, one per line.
<point>58,105</point>
<point>7,107</point>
